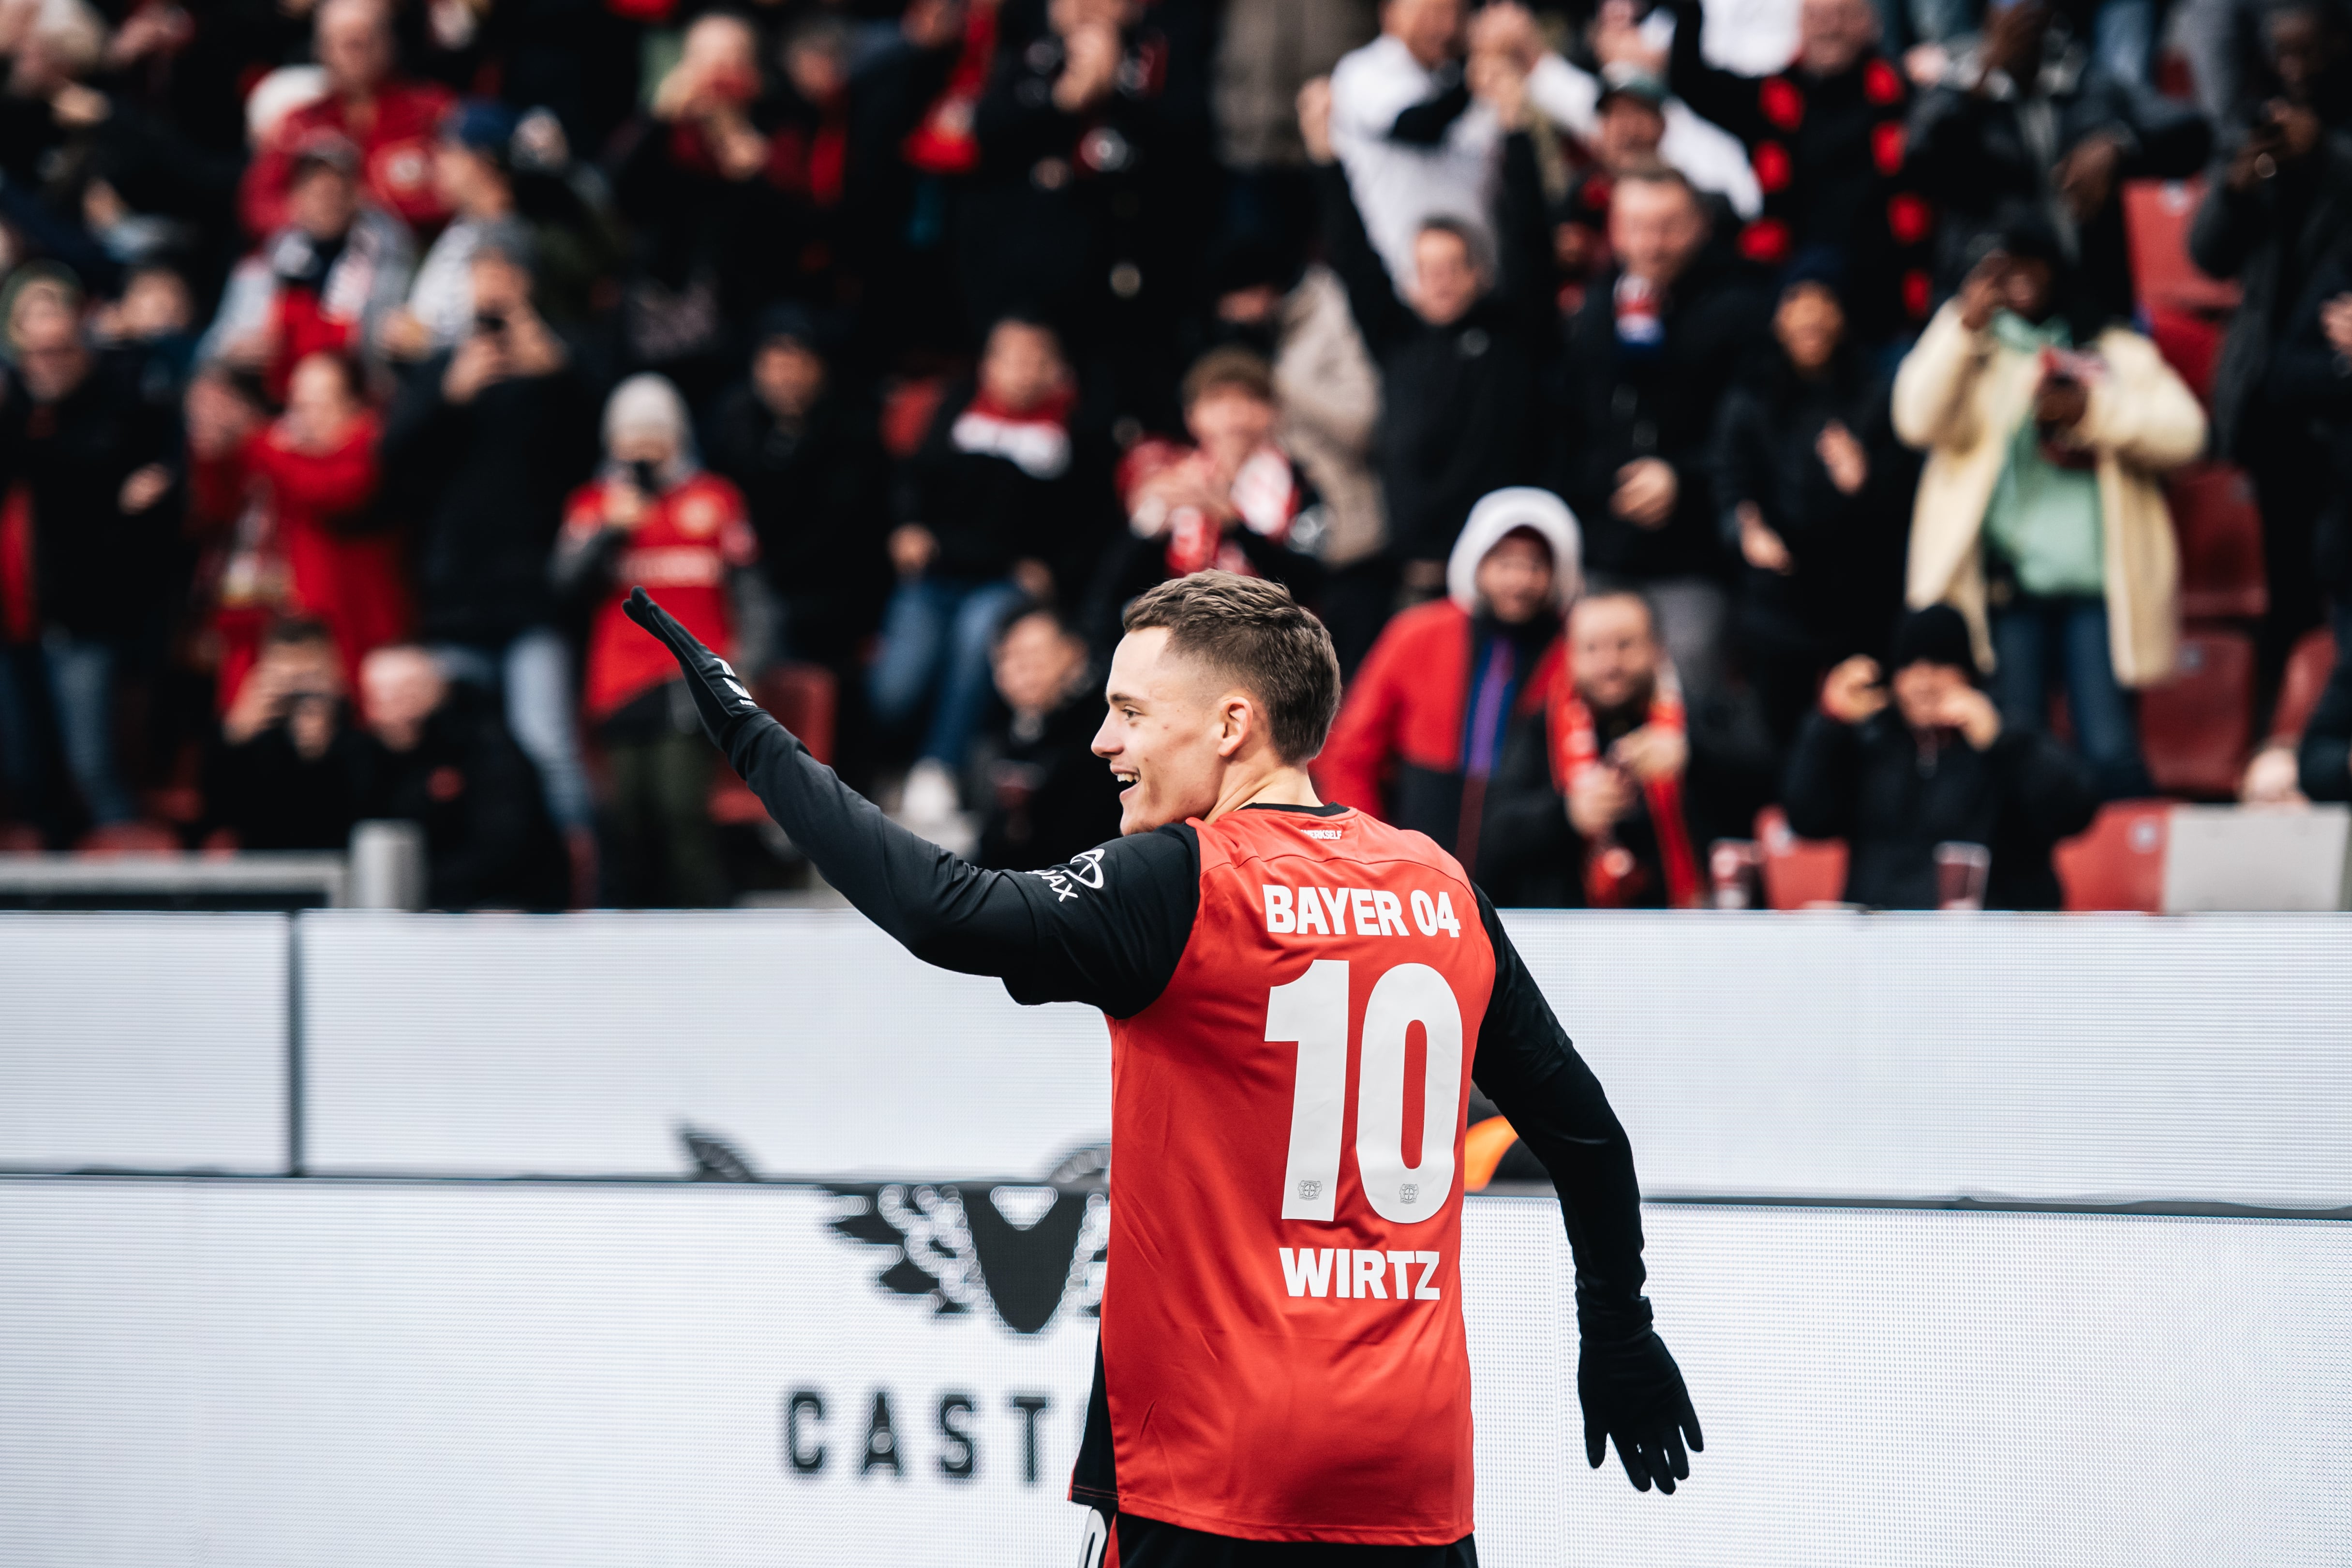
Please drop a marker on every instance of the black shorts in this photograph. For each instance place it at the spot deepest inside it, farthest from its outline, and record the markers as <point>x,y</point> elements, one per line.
<point>1148,1543</point>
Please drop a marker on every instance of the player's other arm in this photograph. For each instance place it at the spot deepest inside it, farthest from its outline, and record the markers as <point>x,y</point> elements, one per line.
<point>1631,1389</point>
<point>1022,929</point>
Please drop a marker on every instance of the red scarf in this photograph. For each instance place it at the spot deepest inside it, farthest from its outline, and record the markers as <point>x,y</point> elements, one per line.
<point>944,142</point>
<point>1612,876</point>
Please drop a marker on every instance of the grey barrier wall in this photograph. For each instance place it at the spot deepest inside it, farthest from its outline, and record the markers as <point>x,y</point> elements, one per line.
<point>145,1042</point>
<point>811,1042</point>
<point>1878,1058</point>
<point>393,1373</point>
<point>2203,1059</point>
<point>2074,1058</point>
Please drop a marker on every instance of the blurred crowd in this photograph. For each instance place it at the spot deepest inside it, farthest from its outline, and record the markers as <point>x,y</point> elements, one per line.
<point>1676,415</point>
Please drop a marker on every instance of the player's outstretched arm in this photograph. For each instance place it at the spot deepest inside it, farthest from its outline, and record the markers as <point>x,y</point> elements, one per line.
<point>1046,944</point>
<point>1626,1379</point>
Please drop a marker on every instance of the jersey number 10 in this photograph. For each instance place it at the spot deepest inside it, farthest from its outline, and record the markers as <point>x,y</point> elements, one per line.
<point>1312,1012</point>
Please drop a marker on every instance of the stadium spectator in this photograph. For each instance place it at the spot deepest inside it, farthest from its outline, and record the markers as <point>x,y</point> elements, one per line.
<point>324,283</point>
<point>655,518</point>
<point>442,760</point>
<point>710,227</point>
<point>2040,514</point>
<point>1093,197</point>
<point>289,763</point>
<point>391,120</point>
<point>1457,343</point>
<point>1651,353</point>
<point>805,455</point>
<point>1900,765</point>
<point>998,505</point>
<point>1233,499</point>
<point>1413,142</point>
<point>1826,140</point>
<point>1329,392</point>
<point>2276,204</point>
<point>2022,130</point>
<point>481,446</point>
<point>1647,781</point>
<point>1455,693</point>
<point>470,175</point>
<point>1816,496</point>
<point>88,467</point>
<point>312,476</point>
<point>1626,114</point>
<point>1044,795</point>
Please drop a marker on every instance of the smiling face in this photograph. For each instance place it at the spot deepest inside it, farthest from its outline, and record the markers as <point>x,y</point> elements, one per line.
<point>1170,728</point>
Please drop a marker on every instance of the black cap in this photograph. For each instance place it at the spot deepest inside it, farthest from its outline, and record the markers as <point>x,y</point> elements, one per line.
<point>1937,635</point>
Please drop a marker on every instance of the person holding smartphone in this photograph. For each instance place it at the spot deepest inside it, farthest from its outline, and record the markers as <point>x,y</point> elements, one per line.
<point>2041,514</point>
<point>654,516</point>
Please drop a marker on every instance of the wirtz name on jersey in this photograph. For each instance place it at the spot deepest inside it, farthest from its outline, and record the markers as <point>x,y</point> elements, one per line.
<point>1326,912</point>
<point>1358,1273</point>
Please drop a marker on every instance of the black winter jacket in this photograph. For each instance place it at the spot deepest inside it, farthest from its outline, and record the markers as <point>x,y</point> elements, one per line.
<point>1622,405</point>
<point>483,484</point>
<point>1892,800</point>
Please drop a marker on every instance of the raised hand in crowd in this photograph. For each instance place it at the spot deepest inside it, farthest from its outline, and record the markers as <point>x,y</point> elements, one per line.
<point>1091,52</point>
<point>1758,545</point>
<point>1599,799</point>
<point>1651,753</point>
<point>1982,291</point>
<point>1842,455</point>
<point>1617,39</point>
<point>1854,691</point>
<point>1646,490</point>
<point>1506,33</point>
<point>2335,322</point>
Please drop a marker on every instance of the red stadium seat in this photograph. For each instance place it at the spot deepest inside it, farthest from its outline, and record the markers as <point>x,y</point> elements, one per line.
<point>2157,215</point>
<point>1798,872</point>
<point>2196,727</point>
<point>2220,533</point>
<point>2119,862</point>
<point>128,839</point>
<point>2189,342</point>
<point>2307,669</point>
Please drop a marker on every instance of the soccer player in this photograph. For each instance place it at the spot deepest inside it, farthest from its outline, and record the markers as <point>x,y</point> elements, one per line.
<point>1298,996</point>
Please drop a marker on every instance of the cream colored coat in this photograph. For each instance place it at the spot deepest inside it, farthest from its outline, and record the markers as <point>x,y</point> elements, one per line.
<point>1960,395</point>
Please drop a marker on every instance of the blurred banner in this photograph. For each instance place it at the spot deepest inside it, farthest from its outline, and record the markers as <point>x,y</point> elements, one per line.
<point>143,1042</point>
<point>398,1373</point>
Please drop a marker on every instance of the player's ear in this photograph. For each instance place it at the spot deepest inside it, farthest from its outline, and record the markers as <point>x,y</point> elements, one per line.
<point>1237,720</point>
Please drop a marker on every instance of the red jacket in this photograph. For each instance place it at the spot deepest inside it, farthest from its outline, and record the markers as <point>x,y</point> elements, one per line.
<point>690,539</point>
<point>397,147</point>
<point>1396,748</point>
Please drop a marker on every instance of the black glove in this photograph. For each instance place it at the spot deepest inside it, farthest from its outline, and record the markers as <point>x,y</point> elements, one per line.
<point>719,694</point>
<point>1633,1391</point>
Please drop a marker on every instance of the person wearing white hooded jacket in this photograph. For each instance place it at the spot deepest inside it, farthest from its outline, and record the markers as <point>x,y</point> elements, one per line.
<point>1454,688</point>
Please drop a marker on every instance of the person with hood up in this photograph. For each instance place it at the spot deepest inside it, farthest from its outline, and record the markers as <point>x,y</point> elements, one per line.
<point>1455,687</point>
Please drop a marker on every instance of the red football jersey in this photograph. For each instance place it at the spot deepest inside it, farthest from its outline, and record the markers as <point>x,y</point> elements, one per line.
<point>682,551</point>
<point>1282,1338</point>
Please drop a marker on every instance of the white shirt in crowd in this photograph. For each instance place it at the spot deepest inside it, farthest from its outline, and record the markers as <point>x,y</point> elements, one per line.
<point>1398,187</point>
